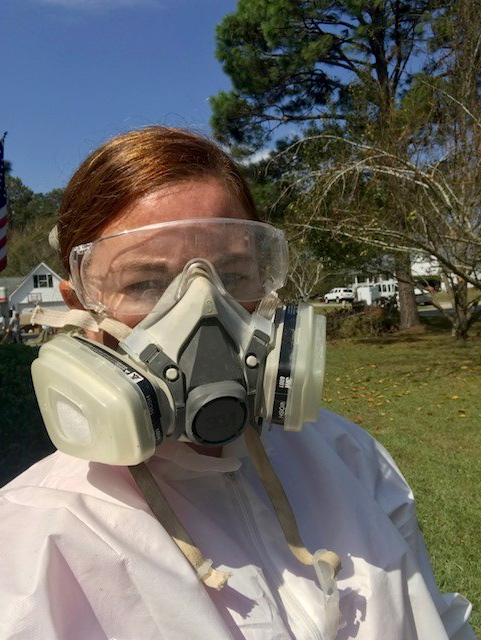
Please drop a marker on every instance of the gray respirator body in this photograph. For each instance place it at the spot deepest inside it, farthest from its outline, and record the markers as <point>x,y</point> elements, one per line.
<point>199,367</point>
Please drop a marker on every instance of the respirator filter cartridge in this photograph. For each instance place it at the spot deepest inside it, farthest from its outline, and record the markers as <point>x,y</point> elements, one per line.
<point>294,372</point>
<point>96,408</point>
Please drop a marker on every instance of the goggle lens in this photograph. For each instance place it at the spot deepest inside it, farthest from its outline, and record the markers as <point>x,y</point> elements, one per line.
<point>126,273</point>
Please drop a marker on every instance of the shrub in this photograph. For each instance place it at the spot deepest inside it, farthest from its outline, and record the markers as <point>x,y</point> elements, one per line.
<point>362,322</point>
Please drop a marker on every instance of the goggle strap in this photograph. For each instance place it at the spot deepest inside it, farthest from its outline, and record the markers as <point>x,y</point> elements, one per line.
<point>82,319</point>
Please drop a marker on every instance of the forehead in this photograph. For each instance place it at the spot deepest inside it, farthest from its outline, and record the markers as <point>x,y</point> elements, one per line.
<point>206,198</point>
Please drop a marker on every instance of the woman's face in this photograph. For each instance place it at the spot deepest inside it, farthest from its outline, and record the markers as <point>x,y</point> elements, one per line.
<point>206,198</point>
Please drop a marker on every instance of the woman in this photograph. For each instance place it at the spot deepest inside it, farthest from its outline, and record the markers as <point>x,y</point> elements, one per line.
<point>84,556</point>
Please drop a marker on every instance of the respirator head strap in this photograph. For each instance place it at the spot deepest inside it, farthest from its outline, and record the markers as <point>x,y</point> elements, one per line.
<point>326,563</point>
<point>82,319</point>
<point>168,519</point>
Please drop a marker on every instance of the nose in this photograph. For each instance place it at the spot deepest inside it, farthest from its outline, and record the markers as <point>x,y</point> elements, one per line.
<point>195,268</point>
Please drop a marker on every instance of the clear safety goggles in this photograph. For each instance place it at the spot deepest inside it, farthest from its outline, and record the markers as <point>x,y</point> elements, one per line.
<point>128,271</point>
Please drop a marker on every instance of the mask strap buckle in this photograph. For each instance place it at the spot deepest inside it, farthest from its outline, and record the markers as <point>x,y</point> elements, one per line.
<point>327,581</point>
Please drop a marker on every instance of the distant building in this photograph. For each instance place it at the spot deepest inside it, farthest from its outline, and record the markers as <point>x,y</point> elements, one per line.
<point>425,271</point>
<point>39,287</point>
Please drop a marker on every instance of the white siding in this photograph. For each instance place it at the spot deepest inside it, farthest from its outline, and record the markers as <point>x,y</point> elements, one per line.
<point>27,295</point>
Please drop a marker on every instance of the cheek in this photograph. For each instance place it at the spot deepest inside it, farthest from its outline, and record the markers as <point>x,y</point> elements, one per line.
<point>103,338</point>
<point>130,320</point>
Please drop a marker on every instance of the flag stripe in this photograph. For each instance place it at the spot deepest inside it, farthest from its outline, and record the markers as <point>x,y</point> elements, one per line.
<point>3,241</point>
<point>3,253</point>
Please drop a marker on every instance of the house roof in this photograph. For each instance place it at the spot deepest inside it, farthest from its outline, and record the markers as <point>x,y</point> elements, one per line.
<point>43,264</point>
<point>20,280</point>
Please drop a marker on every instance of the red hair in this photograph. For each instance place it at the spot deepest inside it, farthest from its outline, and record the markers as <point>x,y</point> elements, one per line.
<point>132,165</point>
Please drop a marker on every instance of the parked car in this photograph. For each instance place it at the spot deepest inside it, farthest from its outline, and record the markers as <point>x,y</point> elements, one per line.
<point>340,294</point>
<point>423,298</point>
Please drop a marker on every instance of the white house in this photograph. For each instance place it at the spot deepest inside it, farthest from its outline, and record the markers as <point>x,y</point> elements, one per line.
<point>40,286</point>
<point>424,269</point>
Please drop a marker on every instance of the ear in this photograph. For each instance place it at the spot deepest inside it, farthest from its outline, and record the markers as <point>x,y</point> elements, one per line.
<point>69,295</point>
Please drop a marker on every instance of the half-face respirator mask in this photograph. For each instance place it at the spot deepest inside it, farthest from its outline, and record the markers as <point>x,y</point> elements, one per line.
<point>198,366</point>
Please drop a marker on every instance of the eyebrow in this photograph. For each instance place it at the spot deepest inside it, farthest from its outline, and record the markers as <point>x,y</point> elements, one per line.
<point>234,257</point>
<point>163,265</point>
<point>140,265</point>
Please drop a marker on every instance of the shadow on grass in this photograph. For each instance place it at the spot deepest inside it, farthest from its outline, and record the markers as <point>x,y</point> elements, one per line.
<point>23,438</point>
<point>436,323</point>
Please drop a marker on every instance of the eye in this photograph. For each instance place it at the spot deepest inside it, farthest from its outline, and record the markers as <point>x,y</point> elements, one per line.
<point>234,279</point>
<point>143,287</point>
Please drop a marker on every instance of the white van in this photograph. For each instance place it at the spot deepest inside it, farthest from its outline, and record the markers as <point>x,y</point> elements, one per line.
<point>377,292</point>
<point>368,293</point>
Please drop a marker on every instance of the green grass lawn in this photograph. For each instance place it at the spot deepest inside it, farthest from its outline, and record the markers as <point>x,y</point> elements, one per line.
<point>421,398</point>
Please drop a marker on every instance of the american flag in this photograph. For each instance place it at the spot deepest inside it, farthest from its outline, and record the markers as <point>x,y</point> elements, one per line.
<point>3,210</point>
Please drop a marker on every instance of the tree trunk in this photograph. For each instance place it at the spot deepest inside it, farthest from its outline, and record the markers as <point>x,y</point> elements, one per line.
<point>460,310</point>
<point>408,310</point>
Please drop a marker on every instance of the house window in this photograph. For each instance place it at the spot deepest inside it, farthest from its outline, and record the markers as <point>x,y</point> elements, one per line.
<point>42,281</point>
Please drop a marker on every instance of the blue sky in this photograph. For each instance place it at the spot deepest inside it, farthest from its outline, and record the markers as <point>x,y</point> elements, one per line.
<point>76,72</point>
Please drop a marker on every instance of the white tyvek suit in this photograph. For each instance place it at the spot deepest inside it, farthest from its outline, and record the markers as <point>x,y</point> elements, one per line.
<point>83,558</point>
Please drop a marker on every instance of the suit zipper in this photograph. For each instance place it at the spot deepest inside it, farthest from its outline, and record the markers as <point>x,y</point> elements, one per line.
<point>291,603</point>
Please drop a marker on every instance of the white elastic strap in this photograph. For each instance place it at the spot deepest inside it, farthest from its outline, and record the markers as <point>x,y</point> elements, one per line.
<point>327,582</point>
<point>326,563</point>
<point>168,519</point>
<point>82,319</point>
<point>268,305</point>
